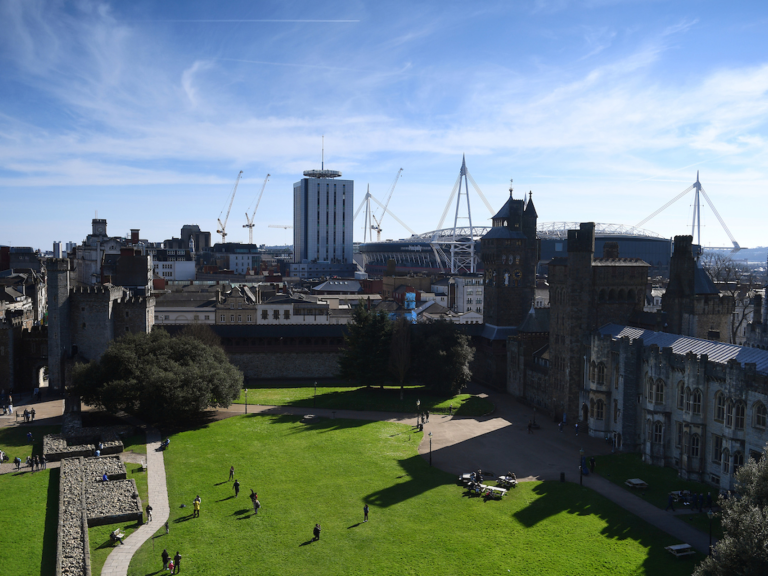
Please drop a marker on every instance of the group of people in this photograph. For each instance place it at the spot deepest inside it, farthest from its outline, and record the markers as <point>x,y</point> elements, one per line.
<point>236,486</point>
<point>37,462</point>
<point>29,415</point>
<point>692,499</point>
<point>174,565</point>
<point>7,403</point>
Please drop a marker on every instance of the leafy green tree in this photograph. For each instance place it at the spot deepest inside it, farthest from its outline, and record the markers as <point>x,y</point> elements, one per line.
<point>400,351</point>
<point>159,378</point>
<point>366,355</point>
<point>744,548</point>
<point>444,355</point>
<point>202,332</point>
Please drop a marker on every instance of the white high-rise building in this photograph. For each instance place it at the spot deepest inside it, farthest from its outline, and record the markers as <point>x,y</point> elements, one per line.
<point>322,225</point>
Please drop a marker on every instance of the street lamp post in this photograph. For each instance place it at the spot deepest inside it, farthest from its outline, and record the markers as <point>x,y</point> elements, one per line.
<point>430,465</point>
<point>246,400</point>
<point>581,469</point>
<point>710,515</point>
<point>314,399</point>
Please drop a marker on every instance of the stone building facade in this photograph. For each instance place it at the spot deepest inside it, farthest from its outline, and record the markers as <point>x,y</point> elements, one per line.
<point>692,404</point>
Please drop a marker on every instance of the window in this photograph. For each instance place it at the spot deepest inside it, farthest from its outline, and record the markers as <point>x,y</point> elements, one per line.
<point>658,430</point>
<point>592,371</point>
<point>659,399</point>
<point>687,399</point>
<point>695,445</point>
<point>207,317</point>
<point>761,415</point>
<point>250,318</point>
<point>696,401</point>
<point>223,318</point>
<point>599,410</point>
<point>728,413</point>
<point>167,316</point>
<point>717,449</point>
<point>719,407</point>
<point>738,461</point>
<point>286,314</point>
<point>726,462</point>
<point>239,317</point>
<point>601,374</point>
<point>591,408</point>
<point>231,317</point>
<point>196,317</point>
<point>678,434</point>
<point>740,412</point>
<point>276,314</point>
<point>680,395</point>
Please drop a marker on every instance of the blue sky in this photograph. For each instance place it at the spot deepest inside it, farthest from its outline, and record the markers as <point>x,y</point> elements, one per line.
<point>146,111</point>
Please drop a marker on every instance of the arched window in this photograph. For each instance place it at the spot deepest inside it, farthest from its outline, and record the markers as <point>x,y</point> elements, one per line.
<point>680,395</point>
<point>616,375</point>
<point>761,415</point>
<point>740,413</point>
<point>696,408</point>
<point>592,369</point>
<point>599,410</point>
<point>601,296</point>
<point>658,432</point>
<point>738,461</point>
<point>659,396</point>
<point>719,407</point>
<point>695,445</point>
<point>592,408</point>
<point>649,389</point>
<point>726,462</point>
<point>729,413</point>
<point>601,374</point>
<point>622,295</point>
<point>687,399</point>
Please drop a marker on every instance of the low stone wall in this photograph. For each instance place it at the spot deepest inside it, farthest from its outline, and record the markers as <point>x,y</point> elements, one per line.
<point>284,365</point>
<point>85,501</point>
<point>82,442</point>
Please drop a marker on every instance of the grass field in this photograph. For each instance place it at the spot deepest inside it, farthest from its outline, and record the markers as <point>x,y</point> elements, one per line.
<point>346,397</point>
<point>13,440</point>
<point>29,505</point>
<point>661,481</point>
<point>101,544</point>
<point>420,521</point>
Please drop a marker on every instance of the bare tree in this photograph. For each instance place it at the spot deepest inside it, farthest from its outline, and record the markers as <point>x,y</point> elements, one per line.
<point>400,351</point>
<point>736,280</point>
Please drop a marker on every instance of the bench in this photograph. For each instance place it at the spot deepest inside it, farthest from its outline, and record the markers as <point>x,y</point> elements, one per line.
<point>493,491</point>
<point>679,550</point>
<point>636,483</point>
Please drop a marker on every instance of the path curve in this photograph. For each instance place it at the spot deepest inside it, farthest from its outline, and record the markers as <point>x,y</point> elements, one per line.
<point>118,561</point>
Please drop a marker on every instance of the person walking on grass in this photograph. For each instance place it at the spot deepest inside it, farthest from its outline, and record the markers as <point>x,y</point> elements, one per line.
<point>316,532</point>
<point>177,562</point>
<point>255,501</point>
<point>196,505</point>
<point>167,528</point>
<point>450,410</point>
<point>236,486</point>
<point>165,556</point>
<point>365,513</point>
<point>231,472</point>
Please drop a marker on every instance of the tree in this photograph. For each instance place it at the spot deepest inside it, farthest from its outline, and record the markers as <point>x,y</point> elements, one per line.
<point>444,355</point>
<point>736,280</point>
<point>366,355</point>
<point>400,351</point>
<point>202,332</point>
<point>158,377</point>
<point>743,548</point>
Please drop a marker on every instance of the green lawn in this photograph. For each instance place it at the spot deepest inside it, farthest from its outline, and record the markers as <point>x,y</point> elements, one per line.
<point>29,505</point>
<point>420,522</point>
<point>352,397</point>
<point>100,543</point>
<point>618,468</point>
<point>13,440</point>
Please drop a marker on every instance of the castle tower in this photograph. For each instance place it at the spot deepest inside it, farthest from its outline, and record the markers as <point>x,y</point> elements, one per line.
<point>59,341</point>
<point>510,254</point>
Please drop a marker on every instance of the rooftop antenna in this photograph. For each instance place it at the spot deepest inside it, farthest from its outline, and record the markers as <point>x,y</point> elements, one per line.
<point>322,155</point>
<point>510,187</point>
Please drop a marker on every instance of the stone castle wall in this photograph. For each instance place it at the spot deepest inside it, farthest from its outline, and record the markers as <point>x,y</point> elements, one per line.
<point>287,365</point>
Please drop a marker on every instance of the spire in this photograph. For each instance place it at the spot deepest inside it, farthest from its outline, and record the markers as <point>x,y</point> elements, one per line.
<point>530,209</point>
<point>510,188</point>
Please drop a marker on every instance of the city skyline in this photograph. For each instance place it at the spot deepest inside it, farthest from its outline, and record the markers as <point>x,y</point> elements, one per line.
<point>605,110</point>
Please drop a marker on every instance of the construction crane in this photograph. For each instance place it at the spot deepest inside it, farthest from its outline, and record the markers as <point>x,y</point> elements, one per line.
<point>250,220</point>
<point>283,226</point>
<point>377,225</point>
<point>223,226</point>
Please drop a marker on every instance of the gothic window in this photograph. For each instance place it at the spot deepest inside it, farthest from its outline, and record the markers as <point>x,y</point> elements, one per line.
<point>687,399</point>
<point>601,374</point>
<point>696,404</point>
<point>719,407</point>
<point>659,396</point>
<point>761,415</point>
<point>658,432</point>
<point>599,410</point>
<point>591,408</point>
<point>726,462</point>
<point>738,461</point>
<point>740,412</point>
<point>717,449</point>
<point>592,368</point>
<point>678,434</point>
<point>729,414</point>
<point>680,395</point>
<point>695,445</point>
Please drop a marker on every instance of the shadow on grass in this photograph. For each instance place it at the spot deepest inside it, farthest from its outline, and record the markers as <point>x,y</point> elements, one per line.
<point>322,424</point>
<point>227,498</point>
<point>14,439</point>
<point>422,479</point>
<point>557,498</point>
<point>184,519</point>
<point>241,512</point>
<point>50,533</point>
<point>308,542</point>
<point>354,525</point>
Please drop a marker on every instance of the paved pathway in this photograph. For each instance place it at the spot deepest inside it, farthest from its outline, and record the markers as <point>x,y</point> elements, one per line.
<point>118,561</point>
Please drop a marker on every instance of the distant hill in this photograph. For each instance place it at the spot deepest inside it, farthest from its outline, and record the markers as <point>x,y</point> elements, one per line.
<point>755,255</point>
